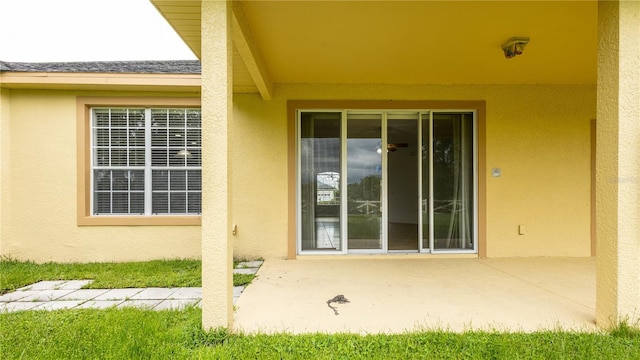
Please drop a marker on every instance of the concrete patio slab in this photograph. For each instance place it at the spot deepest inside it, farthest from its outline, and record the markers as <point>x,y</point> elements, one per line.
<point>397,294</point>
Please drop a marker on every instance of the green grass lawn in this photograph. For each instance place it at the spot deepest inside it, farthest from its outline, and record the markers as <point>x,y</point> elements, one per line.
<point>132,333</point>
<point>15,274</point>
<point>143,334</point>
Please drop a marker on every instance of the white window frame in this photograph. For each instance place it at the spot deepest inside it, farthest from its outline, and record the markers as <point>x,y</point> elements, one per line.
<point>148,167</point>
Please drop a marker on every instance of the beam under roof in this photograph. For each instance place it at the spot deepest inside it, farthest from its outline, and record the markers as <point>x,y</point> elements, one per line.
<point>246,46</point>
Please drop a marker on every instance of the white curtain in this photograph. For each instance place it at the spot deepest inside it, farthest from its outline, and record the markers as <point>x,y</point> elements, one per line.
<point>459,235</point>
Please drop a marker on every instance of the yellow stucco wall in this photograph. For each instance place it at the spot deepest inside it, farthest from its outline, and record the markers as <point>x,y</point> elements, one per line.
<point>5,169</point>
<point>41,224</point>
<point>539,136</point>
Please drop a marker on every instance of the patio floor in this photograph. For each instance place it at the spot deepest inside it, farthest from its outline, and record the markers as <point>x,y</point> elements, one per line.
<point>395,294</point>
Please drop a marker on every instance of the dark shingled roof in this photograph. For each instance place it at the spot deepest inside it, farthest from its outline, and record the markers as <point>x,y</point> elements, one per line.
<point>122,67</point>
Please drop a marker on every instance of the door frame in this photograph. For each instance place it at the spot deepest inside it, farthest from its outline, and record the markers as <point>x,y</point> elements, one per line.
<point>479,106</point>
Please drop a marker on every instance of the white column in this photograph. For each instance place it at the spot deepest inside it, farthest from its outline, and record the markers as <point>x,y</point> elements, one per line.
<point>217,248</point>
<point>618,164</point>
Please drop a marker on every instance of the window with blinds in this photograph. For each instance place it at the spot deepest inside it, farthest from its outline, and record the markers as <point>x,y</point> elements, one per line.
<point>146,161</point>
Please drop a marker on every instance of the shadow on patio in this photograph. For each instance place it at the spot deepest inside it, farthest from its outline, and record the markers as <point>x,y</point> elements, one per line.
<point>397,294</point>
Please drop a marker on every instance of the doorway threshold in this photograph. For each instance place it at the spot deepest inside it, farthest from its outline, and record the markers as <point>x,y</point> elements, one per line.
<point>390,256</point>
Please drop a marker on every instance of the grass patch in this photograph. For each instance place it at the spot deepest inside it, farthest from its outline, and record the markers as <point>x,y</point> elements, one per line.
<point>134,333</point>
<point>242,279</point>
<point>157,273</point>
<point>15,274</point>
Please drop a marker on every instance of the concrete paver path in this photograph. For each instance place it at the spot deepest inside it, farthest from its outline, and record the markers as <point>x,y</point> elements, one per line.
<point>69,294</point>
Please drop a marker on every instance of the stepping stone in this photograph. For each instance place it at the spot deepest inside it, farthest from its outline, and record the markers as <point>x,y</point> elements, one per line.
<point>153,294</point>
<point>104,304</point>
<point>67,294</point>
<point>43,285</point>
<point>57,305</point>
<point>17,295</point>
<point>175,304</point>
<point>143,304</point>
<point>19,306</point>
<point>46,295</point>
<point>74,284</point>
<point>249,264</point>
<point>119,294</point>
<point>247,271</point>
<point>84,294</point>
<point>186,293</point>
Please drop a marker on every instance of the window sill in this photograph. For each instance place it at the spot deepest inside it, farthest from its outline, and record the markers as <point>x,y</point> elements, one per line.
<point>187,220</point>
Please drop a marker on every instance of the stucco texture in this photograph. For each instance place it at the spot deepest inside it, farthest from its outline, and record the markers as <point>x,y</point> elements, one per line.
<point>538,135</point>
<point>5,165</point>
<point>217,187</point>
<point>40,184</point>
<point>618,164</point>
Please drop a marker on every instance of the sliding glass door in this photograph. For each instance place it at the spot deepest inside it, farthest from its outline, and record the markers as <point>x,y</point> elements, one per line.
<point>402,152</point>
<point>386,181</point>
<point>364,182</point>
<point>449,171</point>
<point>319,193</point>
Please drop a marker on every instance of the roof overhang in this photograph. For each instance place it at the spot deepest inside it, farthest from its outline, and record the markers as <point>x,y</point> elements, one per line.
<point>401,42</point>
<point>190,83</point>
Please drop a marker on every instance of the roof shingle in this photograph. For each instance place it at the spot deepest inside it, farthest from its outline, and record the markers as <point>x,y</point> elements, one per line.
<point>122,67</point>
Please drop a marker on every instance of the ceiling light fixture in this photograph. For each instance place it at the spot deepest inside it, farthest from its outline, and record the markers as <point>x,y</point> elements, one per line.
<point>183,154</point>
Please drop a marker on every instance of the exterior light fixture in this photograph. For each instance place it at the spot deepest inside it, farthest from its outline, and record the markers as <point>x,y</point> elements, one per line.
<point>514,46</point>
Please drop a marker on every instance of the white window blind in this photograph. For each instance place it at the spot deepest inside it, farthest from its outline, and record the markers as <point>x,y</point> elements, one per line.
<point>146,161</point>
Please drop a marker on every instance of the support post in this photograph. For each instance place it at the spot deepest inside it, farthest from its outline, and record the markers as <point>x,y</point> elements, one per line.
<point>217,248</point>
<point>618,164</point>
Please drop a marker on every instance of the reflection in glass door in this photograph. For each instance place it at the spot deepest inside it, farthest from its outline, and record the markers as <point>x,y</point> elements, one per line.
<point>364,182</point>
<point>319,203</point>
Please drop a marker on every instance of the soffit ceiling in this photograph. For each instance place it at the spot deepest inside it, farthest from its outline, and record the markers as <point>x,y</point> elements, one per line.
<point>409,42</point>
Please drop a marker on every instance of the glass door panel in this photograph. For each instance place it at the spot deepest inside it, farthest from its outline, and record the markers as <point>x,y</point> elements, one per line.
<point>320,181</point>
<point>364,181</point>
<point>425,202</point>
<point>452,168</point>
<point>402,181</point>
